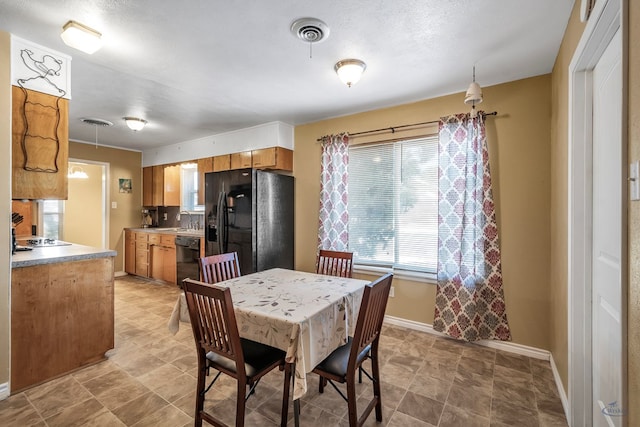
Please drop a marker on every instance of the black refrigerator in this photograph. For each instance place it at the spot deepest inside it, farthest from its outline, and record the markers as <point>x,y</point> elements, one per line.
<point>250,212</point>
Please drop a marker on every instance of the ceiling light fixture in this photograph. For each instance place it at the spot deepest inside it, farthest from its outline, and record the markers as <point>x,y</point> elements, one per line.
<point>134,123</point>
<point>81,37</point>
<point>350,70</point>
<point>473,95</point>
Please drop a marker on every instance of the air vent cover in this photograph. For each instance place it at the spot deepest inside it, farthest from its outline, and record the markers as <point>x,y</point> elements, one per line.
<point>95,121</point>
<point>310,30</point>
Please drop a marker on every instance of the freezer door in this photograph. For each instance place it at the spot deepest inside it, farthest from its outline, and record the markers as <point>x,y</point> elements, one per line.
<point>273,228</point>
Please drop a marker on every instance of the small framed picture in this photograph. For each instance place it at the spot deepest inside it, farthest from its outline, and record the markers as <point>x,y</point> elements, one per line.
<point>124,185</point>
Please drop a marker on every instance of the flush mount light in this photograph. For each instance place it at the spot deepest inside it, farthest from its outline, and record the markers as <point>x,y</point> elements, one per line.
<point>473,95</point>
<point>76,172</point>
<point>350,70</point>
<point>134,123</point>
<point>81,37</point>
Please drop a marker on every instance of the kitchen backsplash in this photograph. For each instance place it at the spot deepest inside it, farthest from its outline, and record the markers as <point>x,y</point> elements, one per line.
<point>171,212</point>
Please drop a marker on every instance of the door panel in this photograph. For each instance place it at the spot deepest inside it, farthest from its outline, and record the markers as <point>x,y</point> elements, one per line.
<point>607,237</point>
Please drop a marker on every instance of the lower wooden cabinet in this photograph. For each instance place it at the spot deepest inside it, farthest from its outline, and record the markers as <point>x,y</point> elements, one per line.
<point>129,252</point>
<point>163,258</point>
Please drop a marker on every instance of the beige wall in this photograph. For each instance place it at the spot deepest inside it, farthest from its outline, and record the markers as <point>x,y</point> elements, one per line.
<point>5,203</point>
<point>82,220</point>
<point>634,219</point>
<point>122,164</point>
<point>519,148</point>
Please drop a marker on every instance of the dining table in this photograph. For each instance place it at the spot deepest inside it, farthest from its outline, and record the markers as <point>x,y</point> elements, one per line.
<point>305,314</point>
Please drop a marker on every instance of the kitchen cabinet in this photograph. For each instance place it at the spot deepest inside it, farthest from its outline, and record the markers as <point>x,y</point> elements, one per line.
<point>163,257</point>
<point>153,185</point>
<point>147,186</point>
<point>204,165</point>
<point>272,158</point>
<point>171,185</point>
<point>241,160</point>
<point>40,145</point>
<point>222,163</point>
<point>129,252</point>
<point>142,254</point>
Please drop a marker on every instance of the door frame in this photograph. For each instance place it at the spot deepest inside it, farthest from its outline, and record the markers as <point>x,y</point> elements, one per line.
<point>606,19</point>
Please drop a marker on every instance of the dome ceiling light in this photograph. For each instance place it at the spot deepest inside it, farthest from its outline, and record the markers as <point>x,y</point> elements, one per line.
<point>134,123</point>
<point>350,70</point>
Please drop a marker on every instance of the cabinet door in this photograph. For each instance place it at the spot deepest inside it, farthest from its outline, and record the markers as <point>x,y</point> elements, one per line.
<point>147,186</point>
<point>241,160</point>
<point>129,252</point>
<point>222,163</point>
<point>172,185</point>
<point>156,262</point>
<point>204,165</point>
<point>40,157</point>
<point>169,273</point>
<point>273,158</point>
<point>158,186</point>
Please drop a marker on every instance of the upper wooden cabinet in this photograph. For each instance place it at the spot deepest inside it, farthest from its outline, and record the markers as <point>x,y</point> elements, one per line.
<point>172,185</point>
<point>273,158</point>
<point>241,160</point>
<point>153,186</point>
<point>204,165</point>
<point>40,145</point>
<point>222,163</point>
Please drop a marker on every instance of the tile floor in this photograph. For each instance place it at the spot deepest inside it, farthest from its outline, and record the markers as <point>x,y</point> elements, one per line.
<point>148,380</point>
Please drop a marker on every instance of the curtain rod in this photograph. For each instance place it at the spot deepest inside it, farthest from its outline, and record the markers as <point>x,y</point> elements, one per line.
<point>394,128</point>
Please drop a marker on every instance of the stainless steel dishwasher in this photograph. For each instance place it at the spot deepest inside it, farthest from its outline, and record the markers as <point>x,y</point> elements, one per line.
<point>187,254</point>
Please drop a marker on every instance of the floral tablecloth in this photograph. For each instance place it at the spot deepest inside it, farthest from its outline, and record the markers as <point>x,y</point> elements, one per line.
<point>307,315</point>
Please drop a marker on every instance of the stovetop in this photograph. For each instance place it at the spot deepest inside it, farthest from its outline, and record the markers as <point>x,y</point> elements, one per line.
<point>41,242</point>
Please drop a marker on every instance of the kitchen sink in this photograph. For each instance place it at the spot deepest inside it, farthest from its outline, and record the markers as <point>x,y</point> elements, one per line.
<point>179,230</point>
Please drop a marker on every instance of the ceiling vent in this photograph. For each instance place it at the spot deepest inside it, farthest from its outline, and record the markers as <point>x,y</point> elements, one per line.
<point>95,121</point>
<point>310,30</point>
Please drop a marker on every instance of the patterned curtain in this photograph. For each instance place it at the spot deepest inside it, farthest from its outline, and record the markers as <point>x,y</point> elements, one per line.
<point>470,302</point>
<point>333,232</point>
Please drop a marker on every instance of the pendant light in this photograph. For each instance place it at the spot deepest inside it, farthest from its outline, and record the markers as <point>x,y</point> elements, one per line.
<point>473,95</point>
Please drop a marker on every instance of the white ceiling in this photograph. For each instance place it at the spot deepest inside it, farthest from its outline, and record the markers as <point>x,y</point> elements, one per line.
<point>201,67</point>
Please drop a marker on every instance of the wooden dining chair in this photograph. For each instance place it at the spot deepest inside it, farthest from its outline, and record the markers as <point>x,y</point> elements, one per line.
<point>334,263</point>
<point>341,365</point>
<point>220,347</point>
<point>217,268</point>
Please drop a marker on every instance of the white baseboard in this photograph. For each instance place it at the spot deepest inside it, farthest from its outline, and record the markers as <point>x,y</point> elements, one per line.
<point>120,274</point>
<point>511,347</point>
<point>561,392</point>
<point>4,391</point>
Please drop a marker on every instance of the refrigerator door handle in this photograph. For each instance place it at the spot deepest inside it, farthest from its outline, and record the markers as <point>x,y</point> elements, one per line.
<point>221,223</point>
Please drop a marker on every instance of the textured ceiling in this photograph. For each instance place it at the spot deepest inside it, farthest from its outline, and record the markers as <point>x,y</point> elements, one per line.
<point>199,68</point>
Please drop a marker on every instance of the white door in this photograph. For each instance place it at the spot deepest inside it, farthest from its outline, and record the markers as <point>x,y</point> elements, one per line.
<point>607,213</point>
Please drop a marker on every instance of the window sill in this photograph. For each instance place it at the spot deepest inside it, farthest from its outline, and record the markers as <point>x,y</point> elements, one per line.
<point>414,276</point>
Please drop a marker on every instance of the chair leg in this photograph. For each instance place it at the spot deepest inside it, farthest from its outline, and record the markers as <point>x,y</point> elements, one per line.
<point>351,402</point>
<point>375,372</point>
<point>285,395</point>
<point>240,402</point>
<point>202,374</point>
<point>322,382</point>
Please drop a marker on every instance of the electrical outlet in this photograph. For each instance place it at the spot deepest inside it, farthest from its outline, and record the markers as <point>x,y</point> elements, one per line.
<point>392,292</point>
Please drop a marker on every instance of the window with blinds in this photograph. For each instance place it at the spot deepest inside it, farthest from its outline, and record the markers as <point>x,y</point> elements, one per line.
<point>393,204</point>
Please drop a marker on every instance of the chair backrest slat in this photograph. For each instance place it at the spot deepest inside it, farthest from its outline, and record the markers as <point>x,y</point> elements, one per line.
<point>218,268</point>
<point>371,315</point>
<point>335,263</point>
<point>213,320</point>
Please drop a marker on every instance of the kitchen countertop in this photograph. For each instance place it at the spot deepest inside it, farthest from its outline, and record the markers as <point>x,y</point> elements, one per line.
<point>57,254</point>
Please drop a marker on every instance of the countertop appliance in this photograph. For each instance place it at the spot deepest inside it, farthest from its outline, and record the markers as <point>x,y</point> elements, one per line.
<point>250,212</point>
<point>187,254</point>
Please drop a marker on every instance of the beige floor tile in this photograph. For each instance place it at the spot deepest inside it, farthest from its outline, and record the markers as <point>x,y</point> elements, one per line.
<point>18,411</point>
<point>140,408</point>
<point>77,415</point>
<point>421,407</point>
<point>54,396</point>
